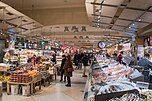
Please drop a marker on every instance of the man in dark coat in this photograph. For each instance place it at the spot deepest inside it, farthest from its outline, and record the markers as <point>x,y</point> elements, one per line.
<point>75,60</point>
<point>62,68</point>
<point>85,63</point>
<point>54,59</point>
<point>144,62</point>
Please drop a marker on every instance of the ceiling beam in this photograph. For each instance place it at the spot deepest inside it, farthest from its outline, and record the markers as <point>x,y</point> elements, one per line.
<point>119,18</point>
<point>142,30</point>
<point>18,17</point>
<point>119,12</point>
<point>121,30</point>
<point>147,33</point>
<point>99,33</point>
<point>116,6</point>
<point>139,16</point>
<point>92,35</point>
<point>114,25</point>
<point>14,25</point>
<point>84,39</point>
<point>27,23</point>
<point>23,25</point>
<point>107,23</point>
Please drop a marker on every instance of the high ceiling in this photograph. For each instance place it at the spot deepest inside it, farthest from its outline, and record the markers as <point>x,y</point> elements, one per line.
<point>122,15</point>
<point>44,4</point>
<point>104,20</point>
<point>15,22</point>
<point>50,12</point>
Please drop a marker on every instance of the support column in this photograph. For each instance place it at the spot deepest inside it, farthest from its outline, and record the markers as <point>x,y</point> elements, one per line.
<point>136,41</point>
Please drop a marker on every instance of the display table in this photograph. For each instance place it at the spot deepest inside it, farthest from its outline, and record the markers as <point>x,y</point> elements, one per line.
<point>24,84</point>
<point>36,80</point>
<point>31,84</point>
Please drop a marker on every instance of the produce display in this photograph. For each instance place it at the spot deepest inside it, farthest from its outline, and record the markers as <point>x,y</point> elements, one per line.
<point>4,67</point>
<point>33,73</point>
<point>26,73</point>
<point>45,74</point>
<point>21,76</point>
<point>17,71</point>
<point>23,59</point>
<point>21,55</point>
<point>4,78</point>
<point>11,58</point>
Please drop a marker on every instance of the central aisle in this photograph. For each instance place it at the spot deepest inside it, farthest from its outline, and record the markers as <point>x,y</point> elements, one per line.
<point>56,91</point>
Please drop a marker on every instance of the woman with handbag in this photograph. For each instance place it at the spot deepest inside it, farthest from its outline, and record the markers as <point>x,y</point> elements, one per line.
<point>68,70</point>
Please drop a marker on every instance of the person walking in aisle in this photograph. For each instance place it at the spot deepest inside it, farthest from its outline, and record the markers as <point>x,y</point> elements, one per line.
<point>115,56</point>
<point>54,58</point>
<point>85,63</point>
<point>62,68</point>
<point>68,70</point>
<point>80,60</point>
<point>120,56</point>
<point>75,60</point>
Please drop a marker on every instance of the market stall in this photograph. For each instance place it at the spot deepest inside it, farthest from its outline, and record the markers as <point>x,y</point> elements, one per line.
<point>23,77</point>
<point>111,81</point>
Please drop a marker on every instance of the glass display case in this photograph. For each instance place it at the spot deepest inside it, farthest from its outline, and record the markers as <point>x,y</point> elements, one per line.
<point>111,81</point>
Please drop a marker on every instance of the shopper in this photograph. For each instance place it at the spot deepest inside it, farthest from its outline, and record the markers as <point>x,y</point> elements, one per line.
<point>54,58</point>
<point>85,64</point>
<point>91,58</point>
<point>115,56</point>
<point>120,57</point>
<point>147,65</point>
<point>33,60</point>
<point>38,60</point>
<point>75,60</point>
<point>68,70</point>
<point>62,68</point>
<point>79,59</point>
<point>107,55</point>
<point>29,60</point>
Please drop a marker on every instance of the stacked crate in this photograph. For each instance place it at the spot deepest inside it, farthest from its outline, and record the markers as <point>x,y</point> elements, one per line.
<point>26,78</point>
<point>20,77</point>
<point>14,77</point>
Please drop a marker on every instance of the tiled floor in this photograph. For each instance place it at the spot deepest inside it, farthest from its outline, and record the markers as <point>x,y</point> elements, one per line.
<point>55,92</point>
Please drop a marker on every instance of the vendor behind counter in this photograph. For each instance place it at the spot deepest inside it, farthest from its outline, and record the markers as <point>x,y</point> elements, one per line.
<point>147,64</point>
